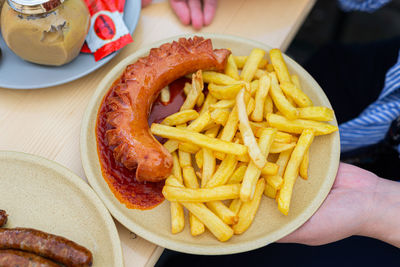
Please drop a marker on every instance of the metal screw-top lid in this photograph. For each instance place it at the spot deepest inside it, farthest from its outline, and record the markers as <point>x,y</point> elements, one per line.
<point>32,7</point>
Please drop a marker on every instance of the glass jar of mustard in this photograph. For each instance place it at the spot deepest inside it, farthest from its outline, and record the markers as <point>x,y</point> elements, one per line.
<point>48,32</point>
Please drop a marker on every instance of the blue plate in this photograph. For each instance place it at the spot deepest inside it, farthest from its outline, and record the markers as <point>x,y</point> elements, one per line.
<point>16,73</point>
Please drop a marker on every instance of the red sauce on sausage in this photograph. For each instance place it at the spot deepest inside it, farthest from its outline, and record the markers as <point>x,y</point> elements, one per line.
<point>122,182</point>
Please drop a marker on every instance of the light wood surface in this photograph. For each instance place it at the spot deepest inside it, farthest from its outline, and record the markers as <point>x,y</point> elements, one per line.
<point>47,121</point>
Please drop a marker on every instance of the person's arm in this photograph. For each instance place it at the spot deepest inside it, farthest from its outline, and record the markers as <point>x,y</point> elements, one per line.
<point>362,5</point>
<point>360,203</point>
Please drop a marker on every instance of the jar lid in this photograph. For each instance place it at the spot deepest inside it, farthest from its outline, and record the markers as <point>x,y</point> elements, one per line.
<point>32,7</point>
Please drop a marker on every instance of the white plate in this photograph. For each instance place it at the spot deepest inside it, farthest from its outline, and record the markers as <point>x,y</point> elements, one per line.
<point>41,194</point>
<point>269,224</point>
<point>16,73</point>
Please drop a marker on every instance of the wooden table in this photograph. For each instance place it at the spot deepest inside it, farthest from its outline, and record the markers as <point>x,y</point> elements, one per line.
<point>47,121</point>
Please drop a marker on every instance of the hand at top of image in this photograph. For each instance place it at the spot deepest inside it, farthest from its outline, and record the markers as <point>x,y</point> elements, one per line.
<point>198,13</point>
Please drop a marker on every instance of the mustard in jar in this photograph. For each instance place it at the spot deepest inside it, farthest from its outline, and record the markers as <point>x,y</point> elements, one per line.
<point>48,32</point>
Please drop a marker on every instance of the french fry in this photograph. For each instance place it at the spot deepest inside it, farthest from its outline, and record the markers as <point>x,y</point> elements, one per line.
<point>249,209</point>
<point>251,65</point>
<point>280,147</point>
<point>220,116</point>
<point>259,73</point>
<point>224,171</point>
<point>197,125</point>
<point>225,91</point>
<point>184,159</point>
<point>297,126</point>
<point>281,162</point>
<point>207,102</point>
<point>253,172</point>
<point>254,85</point>
<point>250,106</point>
<point>177,214</point>
<point>165,95</point>
<point>212,77</point>
<point>187,88</point>
<point>292,169</point>
<point>194,93</point>
<point>300,98</point>
<point>269,191</point>
<point>268,106</point>
<point>189,148</point>
<point>222,192</point>
<point>275,181</point>
<point>235,205</point>
<point>303,171</point>
<point>176,167</point>
<point>229,131</point>
<point>190,181</point>
<point>279,65</point>
<point>208,166</point>
<point>316,113</point>
<point>223,104</point>
<point>231,69</point>
<point>258,127</point>
<point>280,101</point>
<point>237,175</point>
<point>213,131</point>
<point>200,100</point>
<point>241,60</point>
<point>247,134</point>
<point>177,217</point>
<point>295,80</point>
<point>270,68</point>
<point>181,117</point>
<point>202,140</point>
<point>223,212</point>
<point>270,169</point>
<point>216,226</point>
<point>199,158</point>
<point>200,123</point>
<point>261,95</point>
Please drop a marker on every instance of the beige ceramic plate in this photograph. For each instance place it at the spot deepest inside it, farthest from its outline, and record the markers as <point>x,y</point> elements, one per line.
<point>41,194</point>
<point>269,225</point>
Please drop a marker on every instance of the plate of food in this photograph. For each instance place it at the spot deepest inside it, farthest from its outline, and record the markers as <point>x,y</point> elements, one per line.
<point>49,215</point>
<point>39,76</point>
<point>221,134</point>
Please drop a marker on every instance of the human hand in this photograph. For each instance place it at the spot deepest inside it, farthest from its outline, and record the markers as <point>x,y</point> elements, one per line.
<point>344,212</point>
<point>146,3</point>
<point>197,12</point>
<point>360,203</point>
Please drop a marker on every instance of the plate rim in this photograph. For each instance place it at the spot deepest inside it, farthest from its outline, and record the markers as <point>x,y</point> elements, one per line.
<point>103,62</point>
<point>172,244</point>
<point>80,185</point>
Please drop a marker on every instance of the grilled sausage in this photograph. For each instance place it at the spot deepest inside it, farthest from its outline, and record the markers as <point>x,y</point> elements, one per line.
<point>3,217</point>
<point>16,258</point>
<point>46,245</point>
<point>134,93</point>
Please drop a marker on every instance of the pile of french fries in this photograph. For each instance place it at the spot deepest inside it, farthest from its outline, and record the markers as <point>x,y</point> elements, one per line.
<point>222,143</point>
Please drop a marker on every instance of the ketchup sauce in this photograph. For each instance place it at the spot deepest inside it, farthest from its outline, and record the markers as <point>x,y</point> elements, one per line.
<point>121,181</point>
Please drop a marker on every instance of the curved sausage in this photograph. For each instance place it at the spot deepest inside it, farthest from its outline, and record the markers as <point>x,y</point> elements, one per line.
<point>134,93</point>
<point>46,245</point>
<point>3,217</point>
<point>16,258</point>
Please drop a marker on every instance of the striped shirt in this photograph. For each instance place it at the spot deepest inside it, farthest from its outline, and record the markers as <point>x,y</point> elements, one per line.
<point>373,123</point>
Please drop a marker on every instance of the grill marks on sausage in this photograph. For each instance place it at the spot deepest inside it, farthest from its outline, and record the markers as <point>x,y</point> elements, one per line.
<point>13,258</point>
<point>54,247</point>
<point>130,137</point>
